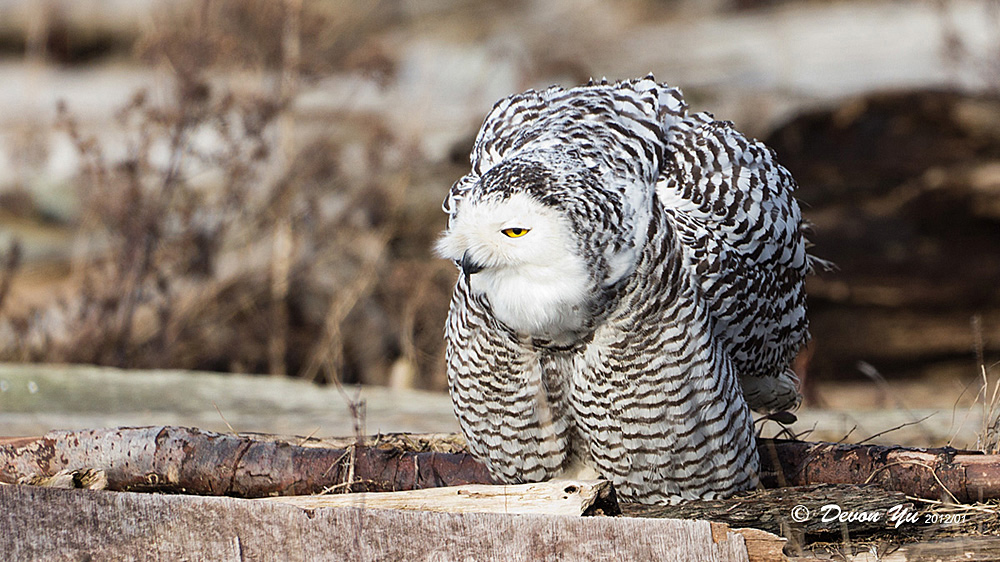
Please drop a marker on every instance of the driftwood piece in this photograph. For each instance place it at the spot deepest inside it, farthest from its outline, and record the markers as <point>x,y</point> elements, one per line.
<point>189,460</point>
<point>557,497</point>
<point>814,510</point>
<point>176,459</point>
<point>98,525</point>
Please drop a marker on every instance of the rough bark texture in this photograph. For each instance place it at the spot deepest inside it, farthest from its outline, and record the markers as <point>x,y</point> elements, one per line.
<point>938,474</point>
<point>175,459</point>
<point>773,510</point>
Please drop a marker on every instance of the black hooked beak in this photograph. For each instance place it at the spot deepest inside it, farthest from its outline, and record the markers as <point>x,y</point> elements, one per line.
<point>468,266</point>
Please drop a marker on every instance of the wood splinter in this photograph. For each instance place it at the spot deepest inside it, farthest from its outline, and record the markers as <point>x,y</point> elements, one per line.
<point>555,497</point>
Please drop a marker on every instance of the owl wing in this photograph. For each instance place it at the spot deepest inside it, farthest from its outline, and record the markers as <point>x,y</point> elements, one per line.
<point>658,397</point>
<point>740,226</point>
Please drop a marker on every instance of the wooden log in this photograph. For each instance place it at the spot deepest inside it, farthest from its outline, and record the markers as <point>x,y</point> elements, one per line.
<point>556,497</point>
<point>176,459</point>
<point>939,474</point>
<point>63,525</point>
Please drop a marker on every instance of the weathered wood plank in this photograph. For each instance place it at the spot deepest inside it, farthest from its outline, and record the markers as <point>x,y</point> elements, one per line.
<point>558,497</point>
<point>62,525</point>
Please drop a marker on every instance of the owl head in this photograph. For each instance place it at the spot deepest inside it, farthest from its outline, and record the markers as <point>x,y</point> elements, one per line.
<point>516,237</point>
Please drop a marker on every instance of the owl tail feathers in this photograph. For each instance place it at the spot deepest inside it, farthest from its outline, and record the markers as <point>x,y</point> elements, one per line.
<point>773,393</point>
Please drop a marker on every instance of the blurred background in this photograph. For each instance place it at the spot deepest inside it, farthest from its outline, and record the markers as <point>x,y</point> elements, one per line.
<point>254,186</point>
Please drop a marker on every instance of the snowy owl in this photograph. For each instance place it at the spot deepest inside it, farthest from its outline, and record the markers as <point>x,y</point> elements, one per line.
<point>630,286</point>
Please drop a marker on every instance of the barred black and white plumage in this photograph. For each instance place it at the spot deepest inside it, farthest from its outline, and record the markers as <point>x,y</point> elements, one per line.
<point>631,285</point>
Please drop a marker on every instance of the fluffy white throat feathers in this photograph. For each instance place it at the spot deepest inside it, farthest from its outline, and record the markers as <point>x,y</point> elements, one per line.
<point>537,284</point>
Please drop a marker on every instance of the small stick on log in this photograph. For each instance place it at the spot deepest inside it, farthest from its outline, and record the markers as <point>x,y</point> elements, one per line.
<point>558,497</point>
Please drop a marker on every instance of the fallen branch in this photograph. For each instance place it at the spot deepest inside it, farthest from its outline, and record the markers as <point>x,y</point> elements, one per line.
<point>176,459</point>
<point>940,474</point>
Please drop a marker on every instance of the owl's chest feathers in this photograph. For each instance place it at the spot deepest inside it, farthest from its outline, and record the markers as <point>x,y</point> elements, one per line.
<point>554,302</point>
<point>563,311</point>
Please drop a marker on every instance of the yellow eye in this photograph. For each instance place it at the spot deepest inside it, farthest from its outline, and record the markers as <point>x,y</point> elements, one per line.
<point>515,232</point>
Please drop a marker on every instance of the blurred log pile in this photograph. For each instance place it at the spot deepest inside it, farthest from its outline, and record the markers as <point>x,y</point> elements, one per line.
<point>903,191</point>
